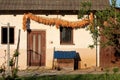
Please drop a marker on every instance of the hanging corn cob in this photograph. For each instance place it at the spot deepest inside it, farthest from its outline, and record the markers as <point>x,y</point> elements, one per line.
<point>58,22</point>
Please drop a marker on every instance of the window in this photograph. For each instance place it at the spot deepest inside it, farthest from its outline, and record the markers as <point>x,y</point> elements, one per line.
<point>4,35</point>
<point>66,35</point>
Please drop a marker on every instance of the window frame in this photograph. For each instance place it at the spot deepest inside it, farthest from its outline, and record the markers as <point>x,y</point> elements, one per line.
<point>9,36</point>
<point>66,43</point>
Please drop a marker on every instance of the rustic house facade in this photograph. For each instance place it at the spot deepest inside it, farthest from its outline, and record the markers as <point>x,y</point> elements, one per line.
<point>39,43</point>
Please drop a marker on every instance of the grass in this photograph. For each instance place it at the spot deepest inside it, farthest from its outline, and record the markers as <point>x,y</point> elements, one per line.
<point>76,77</point>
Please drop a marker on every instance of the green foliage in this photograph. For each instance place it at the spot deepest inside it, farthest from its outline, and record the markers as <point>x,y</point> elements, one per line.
<point>14,73</point>
<point>85,9</point>
<point>14,68</point>
<point>102,15</point>
<point>16,54</point>
<point>91,46</point>
<point>109,31</point>
<point>116,69</point>
<point>11,63</point>
<point>113,3</point>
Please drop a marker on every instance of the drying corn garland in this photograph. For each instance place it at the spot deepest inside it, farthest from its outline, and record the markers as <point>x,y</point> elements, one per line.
<point>56,21</point>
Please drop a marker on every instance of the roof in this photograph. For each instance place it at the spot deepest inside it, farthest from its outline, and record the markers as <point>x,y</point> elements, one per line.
<point>50,4</point>
<point>65,54</point>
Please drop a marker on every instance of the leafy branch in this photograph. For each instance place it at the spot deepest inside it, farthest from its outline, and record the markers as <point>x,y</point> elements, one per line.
<point>108,21</point>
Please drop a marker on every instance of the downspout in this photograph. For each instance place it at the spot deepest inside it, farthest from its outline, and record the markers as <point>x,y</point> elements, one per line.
<point>97,54</point>
<point>97,45</point>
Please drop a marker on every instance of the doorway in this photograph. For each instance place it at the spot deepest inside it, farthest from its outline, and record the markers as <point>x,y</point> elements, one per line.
<point>36,47</point>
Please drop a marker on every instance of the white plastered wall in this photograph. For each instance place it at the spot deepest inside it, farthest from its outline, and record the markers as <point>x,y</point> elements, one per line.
<point>81,39</point>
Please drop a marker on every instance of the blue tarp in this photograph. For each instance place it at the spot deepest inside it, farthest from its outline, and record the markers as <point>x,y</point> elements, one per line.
<point>64,54</point>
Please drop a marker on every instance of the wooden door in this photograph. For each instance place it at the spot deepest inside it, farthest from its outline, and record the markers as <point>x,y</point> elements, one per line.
<point>36,48</point>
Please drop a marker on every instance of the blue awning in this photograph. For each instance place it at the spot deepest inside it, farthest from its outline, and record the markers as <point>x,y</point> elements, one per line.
<point>64,54</point>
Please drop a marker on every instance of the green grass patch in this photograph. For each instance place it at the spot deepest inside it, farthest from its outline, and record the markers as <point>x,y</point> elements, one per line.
<point>76,77</point>
<point>73,77</point>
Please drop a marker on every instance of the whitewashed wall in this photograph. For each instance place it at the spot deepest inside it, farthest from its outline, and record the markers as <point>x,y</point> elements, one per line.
<point>81,39</point>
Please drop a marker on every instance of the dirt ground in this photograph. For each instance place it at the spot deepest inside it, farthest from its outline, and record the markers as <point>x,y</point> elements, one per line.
<point>42,72</point>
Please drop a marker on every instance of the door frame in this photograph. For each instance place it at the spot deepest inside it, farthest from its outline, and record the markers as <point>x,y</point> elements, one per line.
<point>41,31</point>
